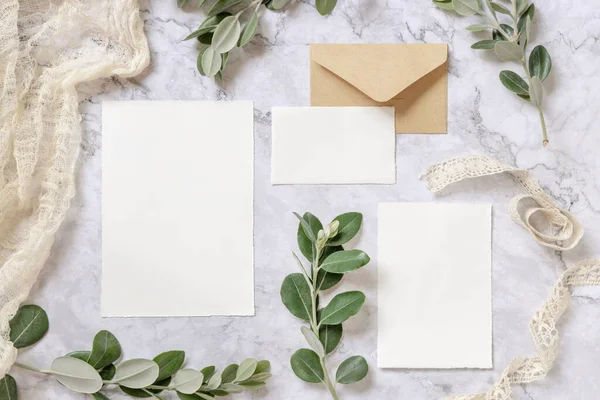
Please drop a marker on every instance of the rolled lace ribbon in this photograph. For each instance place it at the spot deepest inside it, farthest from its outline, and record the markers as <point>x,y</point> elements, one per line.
<point>566,232</point>
<point>562,230</point>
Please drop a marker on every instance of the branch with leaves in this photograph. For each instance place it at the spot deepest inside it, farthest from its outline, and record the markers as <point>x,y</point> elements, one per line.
<point>224,29</point>
<point>509,42</point>
<point>322,247</point>
<point>90,372</point>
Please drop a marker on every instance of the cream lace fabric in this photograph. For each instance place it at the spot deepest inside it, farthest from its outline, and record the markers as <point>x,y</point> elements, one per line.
<point>565,233</point>
<point>47,47</point>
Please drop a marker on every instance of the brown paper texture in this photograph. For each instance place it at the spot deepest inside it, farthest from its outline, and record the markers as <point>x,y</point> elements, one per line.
<point>413,78</point>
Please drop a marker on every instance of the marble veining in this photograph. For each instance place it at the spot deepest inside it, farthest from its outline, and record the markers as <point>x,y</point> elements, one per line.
<point>483,119</point>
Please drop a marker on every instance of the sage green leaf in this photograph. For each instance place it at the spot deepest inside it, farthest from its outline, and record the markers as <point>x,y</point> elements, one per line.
<point>252,384</point>
<point>466,8</point>
<point>209,25</point>
<point>500,8</point>
<point>108,372</point>
<point>313,341</point>
<point>76,375</point>
<point>232,388</point>
<point>536,92</point>
<point>8,388</point>
<point>305,244</point>
<point>514,82</point>
<point>260,377</point>
<point>325,7</point>
<point>199,60</point>
<point>214,382</point>
<point>141,393</point>
<point>136,373</point>
<point>345,261</point>
<point>527,17</point>
<point>352,370</point>
<point>226,35</point>
<point>95,396</point>
<point>508,51</point>
<point>522,6</point>
<point>28,326</point>
<point>229,373</point>
<point>307,228</point>
<point>349,226</point>
<point>277,5</point>
<point>330,336</point>
<point>208,372</point>
<point>246,370</point>
<point>206,38</point>
<point>342,307</point>
<point>105,350</point>
<point>479,28</point>
<point>489,6</point>
<point>496,35</point>
<point>327,280</point>
<point>249,30</point>
<point>188,380</point>
<point>211,62</point>
<point>80,354</point>
<point>296,296</point>
<point>263,366</point>
<point>221,6</point>
<point>168,363</point>
<point>444,4</point>
<point>540,63</point>
<point>484,45</point>
<point>307,366</point>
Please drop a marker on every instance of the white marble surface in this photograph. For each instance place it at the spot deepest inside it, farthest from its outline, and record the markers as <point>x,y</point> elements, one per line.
<point>483,119</point>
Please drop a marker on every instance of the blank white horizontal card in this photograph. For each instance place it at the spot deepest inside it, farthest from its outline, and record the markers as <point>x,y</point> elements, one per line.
<point>435,304</point>
<point>333,145</point>
<point>177,208</point>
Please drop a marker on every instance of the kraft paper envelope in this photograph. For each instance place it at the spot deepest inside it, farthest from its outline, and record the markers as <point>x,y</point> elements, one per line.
<point>413,78</point>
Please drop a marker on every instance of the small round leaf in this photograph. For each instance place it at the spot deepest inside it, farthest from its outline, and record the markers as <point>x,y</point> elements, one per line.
<point>76,375</point>
<point>540,63</point>
<point>342,307</point>
<point>105,350</point>
<point>211,62</point>
<point>246,370</point>
<point>249,31</point>
<point>304,243</point>
<point>345,261</point>
<point>313,341</point>
<point>325,7</point>
<point>28,326</point>
<point>514,83</point>
<point>295,295</point>
<point>349,226</point>
<point>8,388</point>
<point>229,373</point>
<point>508,51</point>
<point>307,366</point>
<point>168,363</point>
<point>214,382</point>
<point>232,388</point>
<point>136,373</point>
<point>484,45</point>
<point>352,370</point>
<point>263,366</point>
<point>330,336</point>
<point>188,380</point>
<point>465,8</point>
<point>226,35</point>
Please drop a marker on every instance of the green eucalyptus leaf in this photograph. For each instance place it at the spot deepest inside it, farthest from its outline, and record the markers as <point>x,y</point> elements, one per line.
<point>188,380</point>
<point>514,82</point>
<point>307,366</point>
<point>444,4</point>
<point>108,372</point>
<point>352,370</point>
<point>479,28</point>
<point>136,373</point>
<point>208,373</point>
<point>8,388</point>
<point>142,394</point>
<point>105,350</point>
<point>305,244</point>
<point>76,375</point>
<point>307,228</point>
<point>214,382</point>
<point>522,6</point>
<point>252,384</point>
<point>211,62</point>
<point>229,373</point>
<point>500,8</point>
<point>342,307</point>
<point>484,45</point>
<point>221,6</point>
<point>168,363</point>
<point>330,336</point>
<point>199,61</point>
<point>260,377</point>
<point>350,224</point>
<point>508,51</point>
<point>325,7</point>
<point>246,370</point>
<point>466,8</point>
<point>208,26</point>
<point>263,366</point>
<point>313,341</point>
<point>296,296</point>
<point>527,16</point>
<point>536,92</point>
<point>540,63</point>
<point>327,280</point>
<point>345,261</point>
<point>232,388</point>
<point>226,35</point>
<point>249,30</point>
<point>28,326</point>
<point>80,354</point>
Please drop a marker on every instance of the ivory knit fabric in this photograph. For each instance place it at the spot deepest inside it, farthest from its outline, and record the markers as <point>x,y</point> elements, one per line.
<point>47,47</point>
<point>563,232</point>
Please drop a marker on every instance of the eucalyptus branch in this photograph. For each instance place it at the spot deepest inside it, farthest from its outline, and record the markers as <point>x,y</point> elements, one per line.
<point>510,44</point>
<point>300,292</point>
<point>91,371</point>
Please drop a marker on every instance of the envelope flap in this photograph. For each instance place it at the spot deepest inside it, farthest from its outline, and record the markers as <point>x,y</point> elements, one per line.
<point>381,71</point>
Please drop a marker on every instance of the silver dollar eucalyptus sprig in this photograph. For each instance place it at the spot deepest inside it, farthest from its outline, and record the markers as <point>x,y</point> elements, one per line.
<point>92,371</point>
<point>509,42</point>
<point>322,247</point>
<point>226,28</point>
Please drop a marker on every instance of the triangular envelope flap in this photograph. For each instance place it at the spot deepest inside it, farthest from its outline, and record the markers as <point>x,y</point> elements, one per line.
<point>380,71</point>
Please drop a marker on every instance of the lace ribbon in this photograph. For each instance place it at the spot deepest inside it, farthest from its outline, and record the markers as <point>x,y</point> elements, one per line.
<point>567,233</point>
<point>562,231</point>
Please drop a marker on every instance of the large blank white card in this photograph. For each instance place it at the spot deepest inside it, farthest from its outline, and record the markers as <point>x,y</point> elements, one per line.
<point>333,145</point>
<point>177,208</point>
<point>435,298</point>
